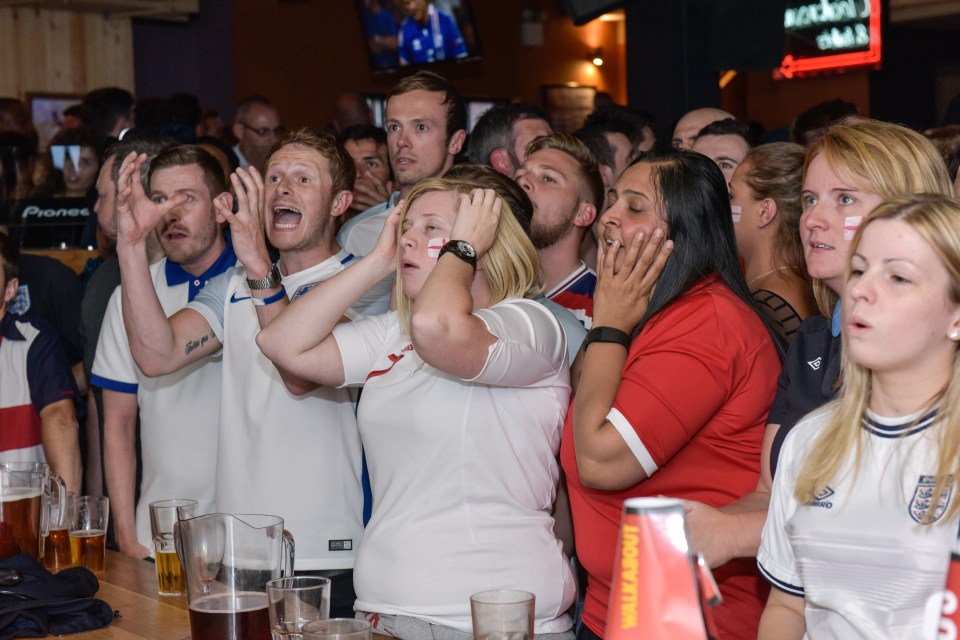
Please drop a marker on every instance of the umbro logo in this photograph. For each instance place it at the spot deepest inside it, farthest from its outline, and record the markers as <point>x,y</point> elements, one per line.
<point>815,364</point>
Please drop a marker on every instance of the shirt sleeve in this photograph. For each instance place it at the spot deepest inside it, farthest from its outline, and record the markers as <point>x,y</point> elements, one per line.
<point>210,301</point>
<point>48,372</point>
<point>530,350</point>
<point>113,364</point>
<point>677,376</point>
<point>66,312</point>
<point>360,344</point>
<point>775,559</point>
<point>401,49</point>
<point>780,409</point>
<point>453,40</point>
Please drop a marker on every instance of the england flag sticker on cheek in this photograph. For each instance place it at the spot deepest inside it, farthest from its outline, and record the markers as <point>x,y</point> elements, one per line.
<point>434,245</point>
<point>850,225</point>
<point>735,211</point>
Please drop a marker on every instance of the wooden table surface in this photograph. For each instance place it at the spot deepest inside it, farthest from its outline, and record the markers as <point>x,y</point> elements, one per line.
<point>130,587</point>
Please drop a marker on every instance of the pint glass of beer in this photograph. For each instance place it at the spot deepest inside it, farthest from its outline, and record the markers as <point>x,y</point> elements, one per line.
<point>163,516</point>
<point>88,536</point>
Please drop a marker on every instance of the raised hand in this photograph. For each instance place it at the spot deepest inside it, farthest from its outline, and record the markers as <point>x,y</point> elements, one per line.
<point>386,248</point>
<point>246,225</point>
<point>369,191</point>
<point>478,219</point>
<point>624,284</point>
<point>137,214</point>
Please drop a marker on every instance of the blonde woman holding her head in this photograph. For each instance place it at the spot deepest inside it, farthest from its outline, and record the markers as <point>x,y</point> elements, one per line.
<point>846,174</point>
<point>884,454</point>
<point>465,389</point>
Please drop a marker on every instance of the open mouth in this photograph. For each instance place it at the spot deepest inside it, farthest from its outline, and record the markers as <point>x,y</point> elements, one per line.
<point>286,218</point>
<point>858,323</point>
<point>173,234</point>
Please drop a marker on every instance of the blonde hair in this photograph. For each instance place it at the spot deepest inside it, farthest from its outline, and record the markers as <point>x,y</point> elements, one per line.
<point>937,219</point>
<point>511,267</point>
<point>886,159</point>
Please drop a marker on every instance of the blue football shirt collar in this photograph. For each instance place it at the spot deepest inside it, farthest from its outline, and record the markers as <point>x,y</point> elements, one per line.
<point>175,274</point>
<point>835,323</point>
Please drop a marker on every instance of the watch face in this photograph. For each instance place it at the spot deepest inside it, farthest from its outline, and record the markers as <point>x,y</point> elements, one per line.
<point>466,249</point>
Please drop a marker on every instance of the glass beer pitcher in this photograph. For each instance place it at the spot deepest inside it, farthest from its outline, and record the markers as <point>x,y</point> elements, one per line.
<point>25,490</point>
<point>228,560</point>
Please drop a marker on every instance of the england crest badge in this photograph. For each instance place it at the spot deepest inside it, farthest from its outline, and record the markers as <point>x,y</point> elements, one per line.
<point>923,497</point>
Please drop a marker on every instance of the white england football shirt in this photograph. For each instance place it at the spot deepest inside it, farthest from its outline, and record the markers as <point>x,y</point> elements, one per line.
<point>297,457</point>
<point>858,553</point>
<point>463,472</point>
<point>178,412</point>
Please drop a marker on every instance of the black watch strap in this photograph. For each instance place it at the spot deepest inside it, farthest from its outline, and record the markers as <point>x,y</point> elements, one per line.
<point>462,250</point>
<point>607,334</point>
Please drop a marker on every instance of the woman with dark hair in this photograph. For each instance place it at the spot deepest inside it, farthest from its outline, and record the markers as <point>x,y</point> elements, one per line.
<point>676,375</point>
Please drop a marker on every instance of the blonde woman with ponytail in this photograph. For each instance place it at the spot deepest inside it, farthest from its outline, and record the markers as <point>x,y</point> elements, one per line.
<point>865,507</point>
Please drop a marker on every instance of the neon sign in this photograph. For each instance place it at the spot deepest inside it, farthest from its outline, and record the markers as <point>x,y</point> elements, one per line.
<point>830,34</point>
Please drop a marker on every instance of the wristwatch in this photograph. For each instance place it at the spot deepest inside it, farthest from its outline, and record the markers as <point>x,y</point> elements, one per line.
<point>269,281</point>
<point>463,250</point>
<point>607,334</point>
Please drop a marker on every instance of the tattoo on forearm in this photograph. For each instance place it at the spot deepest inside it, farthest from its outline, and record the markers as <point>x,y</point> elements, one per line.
<point>193,345</point>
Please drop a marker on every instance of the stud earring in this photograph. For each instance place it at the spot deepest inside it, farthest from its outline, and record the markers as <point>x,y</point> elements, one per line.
<point>954,334</point>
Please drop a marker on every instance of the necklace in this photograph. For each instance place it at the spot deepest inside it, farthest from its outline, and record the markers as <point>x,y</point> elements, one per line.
<point>766,274</point>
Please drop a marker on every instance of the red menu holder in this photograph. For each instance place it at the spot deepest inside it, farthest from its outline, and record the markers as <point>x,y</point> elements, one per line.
<point>660,590</point>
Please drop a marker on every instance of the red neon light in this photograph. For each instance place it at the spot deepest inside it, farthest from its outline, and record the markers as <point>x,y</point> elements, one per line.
<point>791,66</point>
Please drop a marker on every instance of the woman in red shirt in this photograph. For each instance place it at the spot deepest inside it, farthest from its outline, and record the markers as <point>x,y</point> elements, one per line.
<point>676,376</point>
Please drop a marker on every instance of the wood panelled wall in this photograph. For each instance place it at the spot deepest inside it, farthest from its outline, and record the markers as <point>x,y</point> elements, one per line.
<point>63,52</point>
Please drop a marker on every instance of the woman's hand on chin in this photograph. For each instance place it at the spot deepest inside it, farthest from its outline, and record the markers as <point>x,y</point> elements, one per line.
<point>624,284</point>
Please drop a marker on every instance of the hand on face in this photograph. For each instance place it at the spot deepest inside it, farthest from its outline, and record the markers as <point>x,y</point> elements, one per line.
<point>478,218</point>
<point>370,191</point>
<point>624,286</point>
<point>386,248</point>
<point>246,225</point>
<point>137,214</point>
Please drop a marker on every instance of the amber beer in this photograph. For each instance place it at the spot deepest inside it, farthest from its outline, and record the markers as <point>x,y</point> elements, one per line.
<point>654,573</point>
<point>86,549</point>
<point>20,521</point>
<point>170,574</point>
<point>231,616</point>
<point>56,550</point>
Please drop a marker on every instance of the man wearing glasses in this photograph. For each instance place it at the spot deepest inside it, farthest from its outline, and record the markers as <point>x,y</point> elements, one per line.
<point>257,129</point>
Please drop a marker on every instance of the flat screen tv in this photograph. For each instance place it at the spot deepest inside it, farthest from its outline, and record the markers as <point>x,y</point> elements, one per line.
<point>417,33</point>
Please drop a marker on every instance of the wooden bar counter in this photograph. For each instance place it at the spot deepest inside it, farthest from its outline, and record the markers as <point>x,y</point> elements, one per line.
<point>130,587</point>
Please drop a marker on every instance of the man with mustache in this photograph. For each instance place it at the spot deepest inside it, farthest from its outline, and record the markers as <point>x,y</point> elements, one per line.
<point>182,407</point>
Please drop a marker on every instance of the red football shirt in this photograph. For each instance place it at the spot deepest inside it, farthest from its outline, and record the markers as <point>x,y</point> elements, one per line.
<point>695,389</point>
